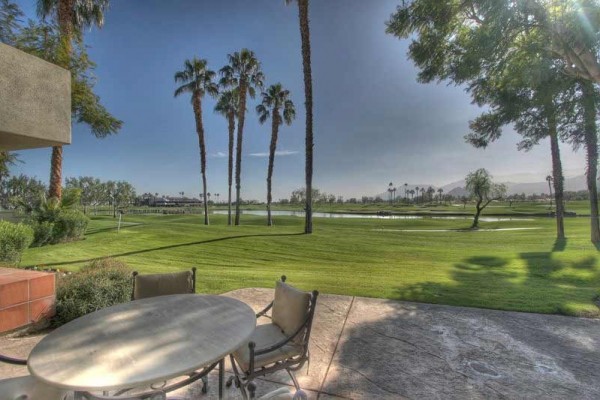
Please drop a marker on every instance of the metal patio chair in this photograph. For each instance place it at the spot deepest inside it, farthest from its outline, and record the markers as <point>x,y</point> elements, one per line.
<point>27,387</point>
<point>152,285</point>
<point>279,345</point>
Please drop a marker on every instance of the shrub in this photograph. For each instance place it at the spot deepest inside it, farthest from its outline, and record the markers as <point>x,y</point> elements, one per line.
<point>69,225</point>
<point>100,284</point>
<point>42,233</point>
<point>14,239</point>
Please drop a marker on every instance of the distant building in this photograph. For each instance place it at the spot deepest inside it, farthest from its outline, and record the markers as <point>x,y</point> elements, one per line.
<point>168,201</point>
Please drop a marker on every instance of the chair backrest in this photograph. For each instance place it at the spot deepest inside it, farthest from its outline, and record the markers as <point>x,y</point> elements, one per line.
<point>153,285</point>
<point>293,311</point>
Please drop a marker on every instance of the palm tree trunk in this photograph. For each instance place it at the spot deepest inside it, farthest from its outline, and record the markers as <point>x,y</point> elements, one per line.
<point>231,122</point>
<point>65,22</point>
<point>200,131</point>
<point>305,38</point>
<point>272,148</point>
<point>557,176</point>
<point>55,189</point>
<point>591,146</point>
<point>238,150</point>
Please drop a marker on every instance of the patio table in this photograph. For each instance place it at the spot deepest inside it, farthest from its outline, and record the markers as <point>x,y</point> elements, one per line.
<point>142,342</point>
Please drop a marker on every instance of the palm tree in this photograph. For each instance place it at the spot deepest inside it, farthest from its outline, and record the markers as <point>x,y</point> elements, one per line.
<point>244,73</point>
<point>406,192</point>
<point>275,102</point>
<point>72,17</point>
<point>423,195</point>
<point>417,191</point>
<point>308,103</point>
<point>197,80</point>
<point>440,191</point>
<point>549,179</point>
<point>227,106</point>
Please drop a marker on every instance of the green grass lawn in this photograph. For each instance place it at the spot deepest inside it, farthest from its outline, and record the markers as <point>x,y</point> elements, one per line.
<point>496,208</point>
<point>509,270</point>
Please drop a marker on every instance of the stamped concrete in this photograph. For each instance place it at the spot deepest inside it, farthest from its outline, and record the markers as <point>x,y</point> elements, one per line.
<point>371,348</point>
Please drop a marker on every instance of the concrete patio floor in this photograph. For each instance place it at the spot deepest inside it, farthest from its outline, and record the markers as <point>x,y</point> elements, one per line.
<point>365,348</point>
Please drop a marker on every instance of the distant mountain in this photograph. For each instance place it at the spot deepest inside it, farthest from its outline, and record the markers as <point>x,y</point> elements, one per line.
<point>571,184</point>
<point>458,192</point>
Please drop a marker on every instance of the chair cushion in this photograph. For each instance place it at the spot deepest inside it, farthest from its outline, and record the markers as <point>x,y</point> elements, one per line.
<point>27,387</point>
<point>162,284</point>
<point>264,336</point>
<point>290,308</point>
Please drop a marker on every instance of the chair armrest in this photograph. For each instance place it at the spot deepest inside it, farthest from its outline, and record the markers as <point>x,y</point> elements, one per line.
<point>281,343</point>
<point>264,311</point>
<point>13,361</point>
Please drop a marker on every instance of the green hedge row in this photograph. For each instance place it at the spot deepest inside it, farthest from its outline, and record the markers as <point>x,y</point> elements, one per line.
<point>14,239</point>
<point>65,226</point>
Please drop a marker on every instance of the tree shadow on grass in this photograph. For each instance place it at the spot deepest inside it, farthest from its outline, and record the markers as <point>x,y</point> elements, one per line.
<point>172,246</point>
<point>547,284</point>
<point>559,244</point>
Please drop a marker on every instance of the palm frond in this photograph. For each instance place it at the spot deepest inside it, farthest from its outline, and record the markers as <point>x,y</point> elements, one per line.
<point>263,113</point>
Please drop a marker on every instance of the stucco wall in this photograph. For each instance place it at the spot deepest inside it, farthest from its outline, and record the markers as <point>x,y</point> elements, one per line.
<point>35,101</point>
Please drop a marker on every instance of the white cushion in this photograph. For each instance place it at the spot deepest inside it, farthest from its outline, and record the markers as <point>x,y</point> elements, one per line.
<point>265,336</point>
<point>290,308</point>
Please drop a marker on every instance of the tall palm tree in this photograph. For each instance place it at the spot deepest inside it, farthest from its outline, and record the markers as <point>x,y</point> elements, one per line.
<point>549,179</point>
<point>417,191</point>
<point>308,103</point>
<point>440,191</point>
<point>227,106</point>
<point>406,192</point>
<point>72,17</point>
<point>245,74</point>
<point>275,102</point>
<point>197,79</point>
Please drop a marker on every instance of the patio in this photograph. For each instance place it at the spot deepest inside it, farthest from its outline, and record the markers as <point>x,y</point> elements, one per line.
<point>365,348</point>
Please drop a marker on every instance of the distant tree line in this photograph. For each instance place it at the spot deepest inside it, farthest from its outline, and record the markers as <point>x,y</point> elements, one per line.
<point>22,191</point>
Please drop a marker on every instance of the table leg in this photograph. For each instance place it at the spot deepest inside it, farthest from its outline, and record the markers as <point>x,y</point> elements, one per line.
<point>221,377</point>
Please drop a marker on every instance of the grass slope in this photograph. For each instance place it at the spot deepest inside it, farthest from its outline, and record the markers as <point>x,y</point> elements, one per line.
<point>509,270</point>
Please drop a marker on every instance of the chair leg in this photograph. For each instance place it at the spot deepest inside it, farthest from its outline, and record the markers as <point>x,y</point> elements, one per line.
<point>236,378</point>
<point>251,389</point>
<point>204,384</point>
<point>293,376</point>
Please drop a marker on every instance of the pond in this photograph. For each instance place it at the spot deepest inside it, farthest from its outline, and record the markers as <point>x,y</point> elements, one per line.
<point>373,216</point>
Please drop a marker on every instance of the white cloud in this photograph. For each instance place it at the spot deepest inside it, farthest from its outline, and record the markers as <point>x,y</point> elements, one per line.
<point>218,154</point>
<point>277,153</point>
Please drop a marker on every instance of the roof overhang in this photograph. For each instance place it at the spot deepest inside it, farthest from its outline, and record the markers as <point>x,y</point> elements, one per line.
<point>35,101</point>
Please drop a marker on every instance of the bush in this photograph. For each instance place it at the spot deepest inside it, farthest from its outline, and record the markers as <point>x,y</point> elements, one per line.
<point>69,225</point>
<point>42,233</point>
<point>14,239</point>
<point>100,284</point>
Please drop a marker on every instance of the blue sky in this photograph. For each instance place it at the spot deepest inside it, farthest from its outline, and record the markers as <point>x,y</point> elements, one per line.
<point>373,122</point>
